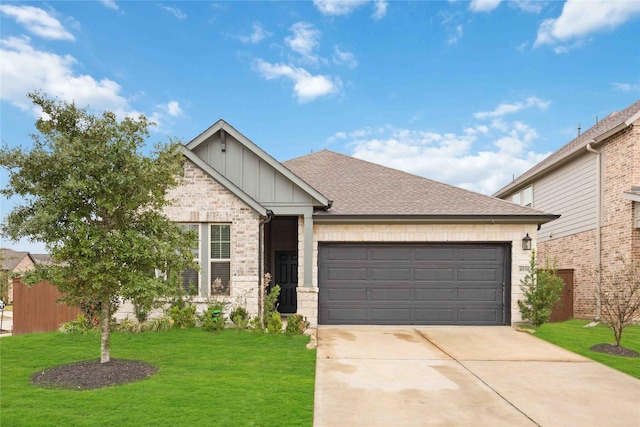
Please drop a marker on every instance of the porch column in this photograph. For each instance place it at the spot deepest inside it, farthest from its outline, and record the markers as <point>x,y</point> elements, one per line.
<point>308,250</point>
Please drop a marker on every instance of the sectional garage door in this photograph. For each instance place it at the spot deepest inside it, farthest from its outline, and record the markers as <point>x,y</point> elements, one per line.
<point>419,284</point>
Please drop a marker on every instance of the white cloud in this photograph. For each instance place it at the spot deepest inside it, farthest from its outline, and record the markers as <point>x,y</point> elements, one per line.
<point>347,58</point>
<point>111,4</point>
<point>484,5</point>
<point>24,69</point>
<point>175,12</point>
<point>504,109</point>
<point>532,6</point>
<point>479,157</point>
<point>307,87</point>
<point>453,39</point>
<point>257,36</point>
<point>579,19</point>
<point>626,87</point>
<point>380,9</point>
<point>345,7</point>
<point>304,40</point>
<point>37,21</point>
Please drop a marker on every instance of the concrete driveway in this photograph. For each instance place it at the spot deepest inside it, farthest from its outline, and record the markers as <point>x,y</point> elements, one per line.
<point>463,376</point>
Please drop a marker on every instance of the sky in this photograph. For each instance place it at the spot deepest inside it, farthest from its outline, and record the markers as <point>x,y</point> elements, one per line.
<point>470,93</point>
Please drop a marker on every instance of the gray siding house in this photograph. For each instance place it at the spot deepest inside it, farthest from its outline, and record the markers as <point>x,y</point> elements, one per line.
<point>349,242</point>
<point>593,182</point>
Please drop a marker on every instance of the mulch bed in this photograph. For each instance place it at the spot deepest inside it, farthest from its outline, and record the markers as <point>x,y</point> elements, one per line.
<point>614,350</point>
<point>91,374</point>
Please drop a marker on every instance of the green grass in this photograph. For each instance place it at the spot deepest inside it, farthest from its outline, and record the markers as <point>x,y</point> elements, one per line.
<point>573,336</point>
<point>204,379</point>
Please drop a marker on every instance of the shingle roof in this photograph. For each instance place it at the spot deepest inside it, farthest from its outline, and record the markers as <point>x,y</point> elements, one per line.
<point>11,258</point>
<point>601,129</point>
<point>361,188</point>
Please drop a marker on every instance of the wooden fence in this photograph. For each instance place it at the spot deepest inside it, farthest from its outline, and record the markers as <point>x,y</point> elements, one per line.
<point>36,308</point>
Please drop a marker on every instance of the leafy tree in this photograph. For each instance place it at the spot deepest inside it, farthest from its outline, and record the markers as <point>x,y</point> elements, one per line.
<point>541,289</point>
<point>95,201</point>
<point>620,297</point>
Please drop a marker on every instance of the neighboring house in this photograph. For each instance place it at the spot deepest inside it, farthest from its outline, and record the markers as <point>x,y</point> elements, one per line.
<point>349,242</point>
<point>593,182</point>
<point>14,262</point>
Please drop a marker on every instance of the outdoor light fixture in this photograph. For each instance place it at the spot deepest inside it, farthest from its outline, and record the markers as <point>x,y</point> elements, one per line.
<point>526,243</point>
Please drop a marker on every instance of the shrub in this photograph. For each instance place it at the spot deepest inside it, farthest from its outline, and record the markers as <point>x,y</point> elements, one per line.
<point>128,326</point>
<point>271,302</point>
<point>274,323</point>
<point>159,324</point>
<point>256,325</point>
<point>296,324</point>
<point>79,326</point>
<point>240,318</point>
<point>213,318</point>
<point>184,317</point>
<point>541,289</point>
<point>620,297</point>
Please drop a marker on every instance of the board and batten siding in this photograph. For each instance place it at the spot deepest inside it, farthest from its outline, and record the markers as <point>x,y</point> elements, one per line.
<point>249,172</point>
<point>571,192</point>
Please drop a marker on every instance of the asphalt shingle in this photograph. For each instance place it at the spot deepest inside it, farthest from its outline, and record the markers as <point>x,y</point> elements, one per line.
<point>358,187</point>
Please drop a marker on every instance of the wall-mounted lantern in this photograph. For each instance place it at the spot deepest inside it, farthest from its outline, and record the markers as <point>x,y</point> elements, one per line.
<point>526,243</point>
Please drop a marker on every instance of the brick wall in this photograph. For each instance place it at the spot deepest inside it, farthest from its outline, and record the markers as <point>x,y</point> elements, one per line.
<point>201,199</point>
<point>577,252</point>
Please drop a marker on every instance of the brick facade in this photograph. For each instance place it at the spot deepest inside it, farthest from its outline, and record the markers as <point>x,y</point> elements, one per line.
<point>577,252</point>
<point>621,170</point>
<point>201,199</point>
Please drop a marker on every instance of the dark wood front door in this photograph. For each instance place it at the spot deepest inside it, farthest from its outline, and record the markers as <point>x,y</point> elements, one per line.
<point>564,310</point>
<point>287,278</point>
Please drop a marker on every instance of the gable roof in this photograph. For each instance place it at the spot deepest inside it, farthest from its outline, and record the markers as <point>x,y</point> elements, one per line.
<point>362,189</point>
<point>221,125</point>
<point>610,125</point>
<point>11,258</point>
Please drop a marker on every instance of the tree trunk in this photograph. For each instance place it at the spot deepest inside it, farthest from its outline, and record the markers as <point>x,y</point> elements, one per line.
<point>105,339</point>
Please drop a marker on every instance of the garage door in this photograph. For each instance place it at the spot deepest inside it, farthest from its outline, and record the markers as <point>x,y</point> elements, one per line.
<point>419,284</point>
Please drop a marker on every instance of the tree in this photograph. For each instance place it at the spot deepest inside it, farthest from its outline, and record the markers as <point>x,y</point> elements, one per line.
<point>620,297</point>
<point>541,289</point>
<point>95,201</point>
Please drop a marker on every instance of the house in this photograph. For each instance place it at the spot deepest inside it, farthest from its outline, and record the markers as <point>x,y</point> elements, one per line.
<point>348,241</point>
<point>14,262</point>
<point>593,183</point>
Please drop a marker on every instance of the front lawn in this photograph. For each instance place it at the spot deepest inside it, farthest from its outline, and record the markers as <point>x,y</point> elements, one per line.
<point>573,336</point>
<point>204,379</point>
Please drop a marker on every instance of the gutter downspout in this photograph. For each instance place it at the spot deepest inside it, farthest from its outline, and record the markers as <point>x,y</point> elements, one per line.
<point>590,149</point>
<point>261,266</point>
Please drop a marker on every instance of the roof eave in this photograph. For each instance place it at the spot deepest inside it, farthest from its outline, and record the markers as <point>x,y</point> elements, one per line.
<point>597,140</point>
<point>328,218</point>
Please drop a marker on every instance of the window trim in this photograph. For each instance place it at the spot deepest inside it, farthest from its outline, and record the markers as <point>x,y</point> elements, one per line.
<point>212,260</point>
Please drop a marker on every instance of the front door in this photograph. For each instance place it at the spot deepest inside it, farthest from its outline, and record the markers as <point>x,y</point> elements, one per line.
<point>287,278</point>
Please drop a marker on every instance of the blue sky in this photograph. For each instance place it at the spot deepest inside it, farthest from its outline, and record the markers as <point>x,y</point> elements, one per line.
<point>467,93</point>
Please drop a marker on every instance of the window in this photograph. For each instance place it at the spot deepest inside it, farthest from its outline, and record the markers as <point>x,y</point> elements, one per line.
<point>191,276</point>
<point>220,259</point>
<point>524,197</point>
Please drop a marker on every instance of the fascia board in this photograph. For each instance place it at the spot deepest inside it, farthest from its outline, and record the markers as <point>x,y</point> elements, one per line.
<point>322,218</point>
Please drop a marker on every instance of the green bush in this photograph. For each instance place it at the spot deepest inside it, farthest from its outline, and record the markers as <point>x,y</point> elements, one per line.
<point>240,318</point>
<point>542,289</point>
<point>213,318</point>
<point>159,324</point>
<point>274,323</point>
<point>296,324</point>
<point>79,326</point>
<point>184,317</point>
